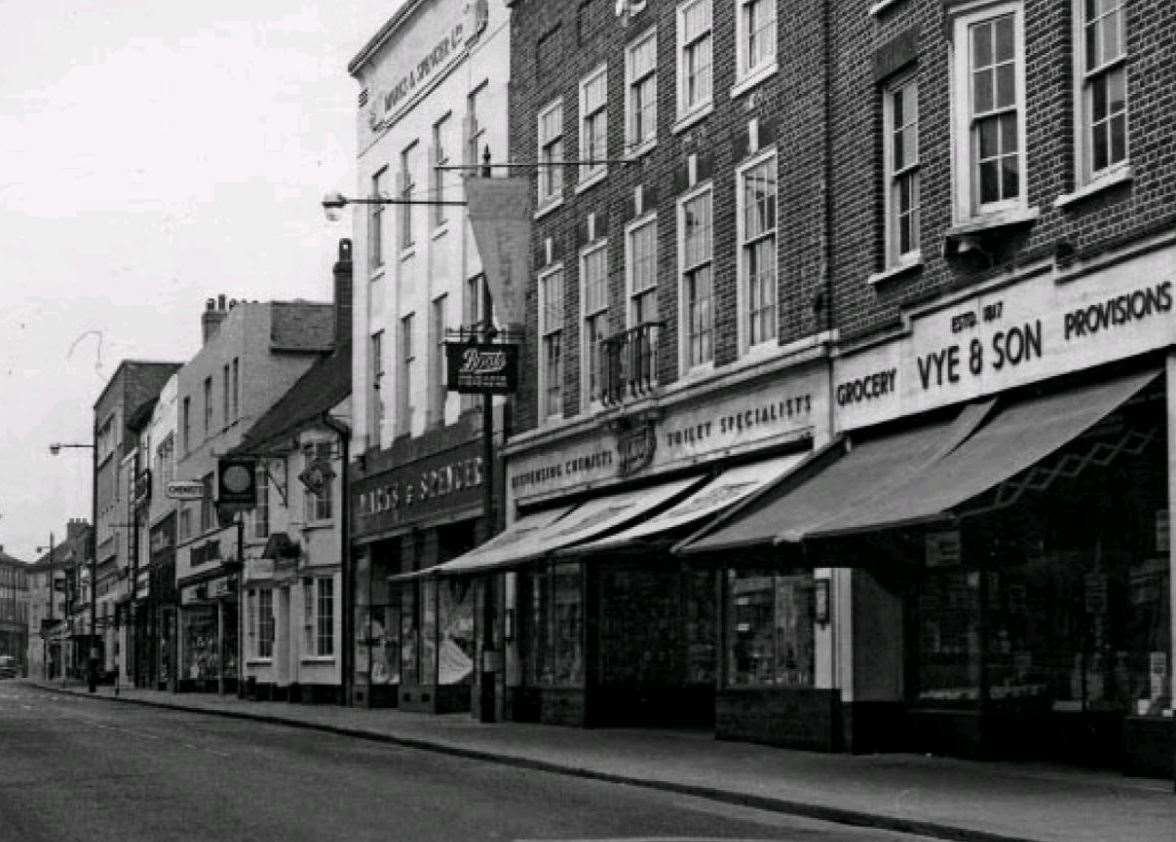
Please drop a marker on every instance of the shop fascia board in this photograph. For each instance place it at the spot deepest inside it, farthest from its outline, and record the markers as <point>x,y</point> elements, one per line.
<point>738,375</point>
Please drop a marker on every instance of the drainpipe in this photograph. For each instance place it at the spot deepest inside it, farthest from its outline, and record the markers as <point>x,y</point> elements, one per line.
<point>345,572</point>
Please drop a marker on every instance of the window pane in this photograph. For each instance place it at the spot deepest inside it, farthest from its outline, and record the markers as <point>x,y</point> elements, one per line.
<point>1098,94</point>
<point>1110,37</point>
<point>989,182</point>
<point>1006,90</point>
<point>988,138</point>
<point>981,92</point>
<point>1004,38</point>
<point>1008,133</point>
<point>1118,138</point>
<point>981,45</point>
<point>1010,176</point>
<point>1116,90</point>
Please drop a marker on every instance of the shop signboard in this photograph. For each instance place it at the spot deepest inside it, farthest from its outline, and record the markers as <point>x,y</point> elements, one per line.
<point>444,482</point>
<point>185,489</point>
<point>1009,335</point>
<point>479,368</point>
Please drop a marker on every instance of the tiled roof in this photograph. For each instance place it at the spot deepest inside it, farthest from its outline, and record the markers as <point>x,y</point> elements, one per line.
<point>324,385</point>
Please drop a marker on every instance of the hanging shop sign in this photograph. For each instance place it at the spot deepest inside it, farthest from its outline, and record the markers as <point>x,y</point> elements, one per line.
<point>236,483</point>
<point>432,486</point>
<point>185,489</point>
<point>476,368</point>
<point>1039,327</point>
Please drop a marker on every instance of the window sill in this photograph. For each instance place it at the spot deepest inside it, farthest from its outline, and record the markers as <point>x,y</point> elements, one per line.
<point>591,181</point>
<point>761,350</point>
<point>912,264</point>
<point>645,147</point>
<point>551,205</point>
<point>440,231</point>
<point>970,235</point>
<point>687,120</point>
<point>324,523</point>
<point>317,659</point>
<point>259,662</point>
<point>1121,176</point>
<point>881,6</point>
<point>754,78</point>
<point>407,252</point>
<point>377,274</point>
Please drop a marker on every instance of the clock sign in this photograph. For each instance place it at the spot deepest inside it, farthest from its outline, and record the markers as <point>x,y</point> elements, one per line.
<point>237,487</point>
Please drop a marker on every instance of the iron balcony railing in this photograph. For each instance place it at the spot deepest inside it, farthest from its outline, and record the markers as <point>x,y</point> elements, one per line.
<point>628,364</point>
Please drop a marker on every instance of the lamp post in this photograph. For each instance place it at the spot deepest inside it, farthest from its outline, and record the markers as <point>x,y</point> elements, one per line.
<point>92,661</point>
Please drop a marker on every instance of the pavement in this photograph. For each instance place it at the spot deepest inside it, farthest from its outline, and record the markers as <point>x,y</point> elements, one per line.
<point>939,797</point>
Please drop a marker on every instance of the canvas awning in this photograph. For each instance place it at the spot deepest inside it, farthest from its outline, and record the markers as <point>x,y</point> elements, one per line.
<point>535,535</point>
<point>1016,438</point>
<point>855,473</point>
<point>921,474</point>
<point>725,490</point>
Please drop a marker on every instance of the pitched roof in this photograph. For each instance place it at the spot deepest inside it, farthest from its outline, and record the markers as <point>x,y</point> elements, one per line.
<point>324,385</point>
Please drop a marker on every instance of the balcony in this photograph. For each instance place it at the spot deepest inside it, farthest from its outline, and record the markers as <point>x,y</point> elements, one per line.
<point>628,364</point>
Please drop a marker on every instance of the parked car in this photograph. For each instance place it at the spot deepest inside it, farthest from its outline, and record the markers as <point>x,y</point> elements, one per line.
<point>7,666</point>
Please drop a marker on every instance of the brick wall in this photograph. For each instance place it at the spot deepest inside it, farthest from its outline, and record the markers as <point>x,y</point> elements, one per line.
<point>788,108</point>
<point>1091,225</point>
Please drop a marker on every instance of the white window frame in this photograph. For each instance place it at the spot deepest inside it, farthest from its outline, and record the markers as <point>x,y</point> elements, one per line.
<point>318,508</point>
<point>440,156</point>
<point>406,351</point>
<point>746,74</point>
<point>967,207</point>
<point>319,616</point>
<point>265,623</point>
<point>687,112</point>
<point>742,296</point>
<point>587,399</point>
<point>643,221</point>
<point>592,173</point>
<point>550,177</point>
<point>894,257</point>
<point>634,145</point>
<point>375,227</point>
<point>405,234</point>
<point>545,329</point>
<point>684,363</point>
<point>1085,174</point>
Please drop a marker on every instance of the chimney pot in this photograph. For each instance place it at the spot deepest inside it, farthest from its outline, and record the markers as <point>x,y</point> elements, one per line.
<point>220,301</point>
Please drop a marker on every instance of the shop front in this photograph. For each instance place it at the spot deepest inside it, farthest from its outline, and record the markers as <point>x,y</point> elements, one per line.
<point>162,598</point>
<point>987,539</point>
<point>416,505</point>
<point>207,636</point>
<point>602,624</point>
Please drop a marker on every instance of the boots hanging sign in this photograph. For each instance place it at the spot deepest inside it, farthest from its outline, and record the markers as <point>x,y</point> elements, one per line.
<point>482,367</point>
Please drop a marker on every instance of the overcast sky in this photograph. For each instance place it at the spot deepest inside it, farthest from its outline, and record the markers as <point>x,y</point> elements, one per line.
<point>152,155</point>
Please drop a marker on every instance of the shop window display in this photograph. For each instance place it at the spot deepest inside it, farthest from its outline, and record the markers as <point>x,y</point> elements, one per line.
<point>385,641</point>
<point>1071,592</point>
<point>455,614</point>
<point>427,639</point>
<point>409,635</point>
<point>770,641</point>
<point>201,659</point>
<point>557,626</point>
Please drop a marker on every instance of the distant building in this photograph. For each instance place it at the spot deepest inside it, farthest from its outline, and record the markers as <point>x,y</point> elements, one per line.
<point>252,354</point>
<point>49,646</point>
<point>14,609</point>
<point>293,580</point>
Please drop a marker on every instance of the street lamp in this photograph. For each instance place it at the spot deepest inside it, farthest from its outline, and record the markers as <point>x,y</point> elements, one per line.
<point>92,662</point>
<point>333,203</point>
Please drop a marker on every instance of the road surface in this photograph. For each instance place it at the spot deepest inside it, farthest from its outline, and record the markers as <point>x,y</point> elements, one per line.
<point>90,769</point>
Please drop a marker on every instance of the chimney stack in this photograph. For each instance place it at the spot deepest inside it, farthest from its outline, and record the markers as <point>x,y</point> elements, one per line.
<point>343,292</point>
<point>210,320</point>
<point>75,528</point>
